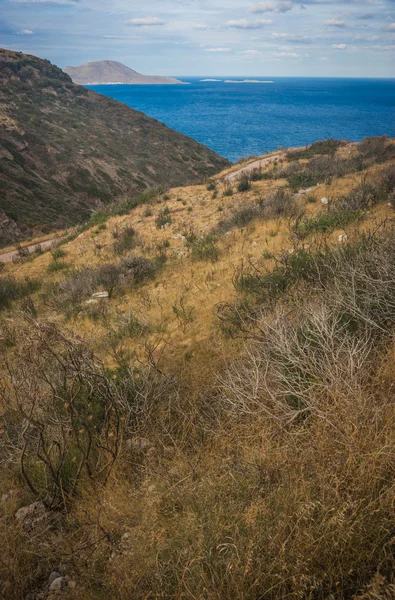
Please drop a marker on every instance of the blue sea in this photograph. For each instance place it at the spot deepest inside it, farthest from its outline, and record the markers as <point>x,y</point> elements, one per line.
<point>239,119</point>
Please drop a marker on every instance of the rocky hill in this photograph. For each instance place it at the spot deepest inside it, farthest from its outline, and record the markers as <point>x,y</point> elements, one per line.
<point>111,71</point>
<point>65,150</point>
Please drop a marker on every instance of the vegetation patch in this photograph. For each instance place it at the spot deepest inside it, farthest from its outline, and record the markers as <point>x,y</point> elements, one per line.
<point>11,289</point>
<point>328,221</point>
<point>126,240</point>
<point>321,147</point>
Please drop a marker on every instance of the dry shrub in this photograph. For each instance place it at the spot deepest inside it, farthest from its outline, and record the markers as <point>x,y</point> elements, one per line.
<point>281,203</point>
<point>66,414</point>
<point>243,214</point>
<point>111,277</point>
<point>276,483</point>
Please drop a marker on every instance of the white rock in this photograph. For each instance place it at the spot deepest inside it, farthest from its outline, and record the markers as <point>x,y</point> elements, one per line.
<point>254,243</point>
<point>342,238</point>
<point>54,575</point>
<point>324,201</point>
<point>58,584</point>
<point>100,295</point>
<point>32,511</point>
<point>91,301</point>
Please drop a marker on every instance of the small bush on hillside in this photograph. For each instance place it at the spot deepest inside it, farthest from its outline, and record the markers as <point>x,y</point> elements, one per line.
<point>321,169</point>
<point>377,149</point>
<point>138,269</point>
<point>243,183</point>
<point>334,219</point>
<point>127,240</point>
<point>241,216</point>
<point>66,401</point>
<point>321,147</point>
<point>58,253</point>
<point>205,248</point>
<point>57,263</point>
<point>228,190</point>
<point>211,186</point>
<point>281,203</point>
<point>129,204</point>
<point>112,278</point>
<point>163,218</point>
<point>255,174</point>
<point>11,289</point>
<point>387,179</point>
<point>362,197</point>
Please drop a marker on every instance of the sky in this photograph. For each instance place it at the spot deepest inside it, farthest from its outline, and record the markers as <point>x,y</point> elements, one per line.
<point>324,38</point>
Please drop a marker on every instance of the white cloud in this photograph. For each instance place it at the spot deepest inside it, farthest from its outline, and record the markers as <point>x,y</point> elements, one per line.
<point>289,37</point>
<point>145,22</point>
<point>339,46</point>
<point>289,55</point>
<point>249,52</point>
<point>336,22</point>
<point>26,32</point>
<point>281,7</point>
<point>200,27</point>
<point>244,24</point>
<point>263,7</point>
<point>218,49</point>
<point>284,6</point>
<point>324,58</point>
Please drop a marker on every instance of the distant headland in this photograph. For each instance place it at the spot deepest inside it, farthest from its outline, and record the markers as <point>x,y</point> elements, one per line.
<point>105,72</point>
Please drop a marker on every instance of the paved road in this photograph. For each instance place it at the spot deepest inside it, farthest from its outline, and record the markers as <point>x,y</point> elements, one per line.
<point>256,164</point>
<point>8,256</point>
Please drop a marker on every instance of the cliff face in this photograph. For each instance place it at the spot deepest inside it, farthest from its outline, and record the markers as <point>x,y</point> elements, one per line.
<point>64,150</point>
<point>111,71</point>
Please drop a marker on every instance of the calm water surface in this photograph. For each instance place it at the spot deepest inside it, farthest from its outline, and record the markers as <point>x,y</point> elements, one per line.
<point>237,119</point>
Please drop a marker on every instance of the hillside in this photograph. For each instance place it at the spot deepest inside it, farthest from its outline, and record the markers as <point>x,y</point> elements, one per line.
<point>65,150</point>
<point>111,71</point>
<point>197,397</point>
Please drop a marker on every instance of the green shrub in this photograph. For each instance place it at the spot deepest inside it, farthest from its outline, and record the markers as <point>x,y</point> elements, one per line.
<point>255,174</point>
<point>281,203</point>
<point>138,269</point>
<point>334,219</point>
<point>243,183</point>
<point>228,190</point>
<point>126,241</point>
<point>205,248</point>
<point>58,253</point>
<point>321,147</point>
<point>11,289</point>
<point>241,216</point>
<point>163,218</point>
<point>377,149</point>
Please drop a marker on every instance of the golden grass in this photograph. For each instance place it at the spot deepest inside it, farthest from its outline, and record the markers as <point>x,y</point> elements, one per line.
<point>216,506</point>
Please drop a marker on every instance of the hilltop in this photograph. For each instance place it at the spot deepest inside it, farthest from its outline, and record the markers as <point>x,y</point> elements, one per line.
<point>111,71</point>
<point>65,150</point>
<point>197,397</point>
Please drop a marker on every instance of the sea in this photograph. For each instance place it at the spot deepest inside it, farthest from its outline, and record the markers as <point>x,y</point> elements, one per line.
<point>238,119</point>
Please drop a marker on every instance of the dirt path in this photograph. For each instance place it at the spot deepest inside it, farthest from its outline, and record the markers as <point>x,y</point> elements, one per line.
<point>256,164</point>
<point>8,256</point>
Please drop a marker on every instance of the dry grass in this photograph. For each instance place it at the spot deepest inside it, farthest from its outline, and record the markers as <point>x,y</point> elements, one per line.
<point>260,467</point>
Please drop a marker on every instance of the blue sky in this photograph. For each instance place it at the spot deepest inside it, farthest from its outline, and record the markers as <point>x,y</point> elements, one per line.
<point>209,37</point>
